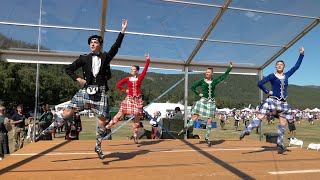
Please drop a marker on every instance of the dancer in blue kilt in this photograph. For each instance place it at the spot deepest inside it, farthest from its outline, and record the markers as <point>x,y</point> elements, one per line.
<point>276,103</point>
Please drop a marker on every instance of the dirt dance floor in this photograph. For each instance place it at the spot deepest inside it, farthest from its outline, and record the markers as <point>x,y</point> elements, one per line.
<point>160,159</point>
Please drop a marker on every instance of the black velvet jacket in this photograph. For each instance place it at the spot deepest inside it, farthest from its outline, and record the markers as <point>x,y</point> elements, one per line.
<point>85,61</point>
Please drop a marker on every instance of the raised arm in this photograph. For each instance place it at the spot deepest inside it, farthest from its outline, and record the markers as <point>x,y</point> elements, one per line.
<point>114,48</point>
<point>298,63</point>
<point>223,76</point>
<point>145,69</point>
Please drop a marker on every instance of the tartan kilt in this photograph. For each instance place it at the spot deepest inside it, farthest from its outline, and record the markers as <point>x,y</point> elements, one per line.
<point>4,144</point>
<point>273,106</point>
<point>132,105</point>
<point>204,108</point>
<point>98,102</point>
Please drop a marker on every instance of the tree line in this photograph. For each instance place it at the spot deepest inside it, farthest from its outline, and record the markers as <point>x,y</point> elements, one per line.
<point>17,85</point>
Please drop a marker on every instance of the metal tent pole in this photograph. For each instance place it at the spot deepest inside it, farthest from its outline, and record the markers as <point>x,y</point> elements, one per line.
<point>186,98</point>
<point>37,77</point>
<point>261,99</point>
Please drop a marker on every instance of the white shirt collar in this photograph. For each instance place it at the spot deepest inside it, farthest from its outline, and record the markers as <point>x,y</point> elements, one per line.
<point>133,78</point>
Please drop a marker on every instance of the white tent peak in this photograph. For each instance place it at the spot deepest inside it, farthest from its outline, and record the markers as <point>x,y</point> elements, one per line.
<point>315,110</point>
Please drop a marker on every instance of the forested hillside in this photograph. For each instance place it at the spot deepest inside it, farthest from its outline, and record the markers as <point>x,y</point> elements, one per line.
<point>17,85</point>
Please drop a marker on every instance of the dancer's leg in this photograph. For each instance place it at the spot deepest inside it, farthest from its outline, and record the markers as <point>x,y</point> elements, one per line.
<point>190,124</point>
<point>281,130</point>
<point>255,123</point>
<point>208,128</point>
<point>47,131</point>
<point>136,126</point>
<point>67,112</point>
<point>114,120</point>
<point>101,133</point>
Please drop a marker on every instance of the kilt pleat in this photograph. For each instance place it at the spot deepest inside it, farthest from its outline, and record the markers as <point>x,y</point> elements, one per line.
<point>132,105</point>
<point>98,102</point>
<point>204,108</point>
<point>272,105</point>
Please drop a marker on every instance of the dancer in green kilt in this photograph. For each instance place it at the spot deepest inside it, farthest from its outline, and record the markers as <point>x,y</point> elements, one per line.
<point>206,106</point>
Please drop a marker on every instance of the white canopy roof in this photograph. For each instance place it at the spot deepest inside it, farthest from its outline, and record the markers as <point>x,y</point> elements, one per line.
<point>315,110</point>
<point>163,107</point>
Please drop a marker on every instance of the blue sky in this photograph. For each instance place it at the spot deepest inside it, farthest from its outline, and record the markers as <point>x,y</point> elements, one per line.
<point>156,17</point>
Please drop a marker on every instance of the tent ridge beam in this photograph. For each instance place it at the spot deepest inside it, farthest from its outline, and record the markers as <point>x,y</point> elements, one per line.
<point>142,34</point>
<point>242,9</point>
<point>154,35</point>
<point>48,26</point>
<point>198,39</point>
<point>244,43</point>
<point>273,13</point>
<point>192,3</point>
<point>119,61</point>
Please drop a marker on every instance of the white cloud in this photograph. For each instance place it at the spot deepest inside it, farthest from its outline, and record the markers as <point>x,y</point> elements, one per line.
<point>253,16</point>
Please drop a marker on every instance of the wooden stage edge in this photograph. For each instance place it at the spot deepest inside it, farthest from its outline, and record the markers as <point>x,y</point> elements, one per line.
<point>160,159</point>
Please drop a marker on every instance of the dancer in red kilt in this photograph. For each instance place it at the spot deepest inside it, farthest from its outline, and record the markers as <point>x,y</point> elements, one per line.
<point>133,103</point>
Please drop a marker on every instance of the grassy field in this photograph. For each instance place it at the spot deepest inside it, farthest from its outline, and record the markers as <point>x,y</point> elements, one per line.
<point>307,133</point>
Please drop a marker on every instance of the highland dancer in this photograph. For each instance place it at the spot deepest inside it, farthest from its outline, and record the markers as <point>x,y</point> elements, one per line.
<point>133,103</point>
<point>93,94</point>
<point>206,106</point>
<point>276,102</point>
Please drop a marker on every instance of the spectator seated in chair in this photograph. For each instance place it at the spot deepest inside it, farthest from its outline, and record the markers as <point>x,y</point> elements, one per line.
<point>177,114</point>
